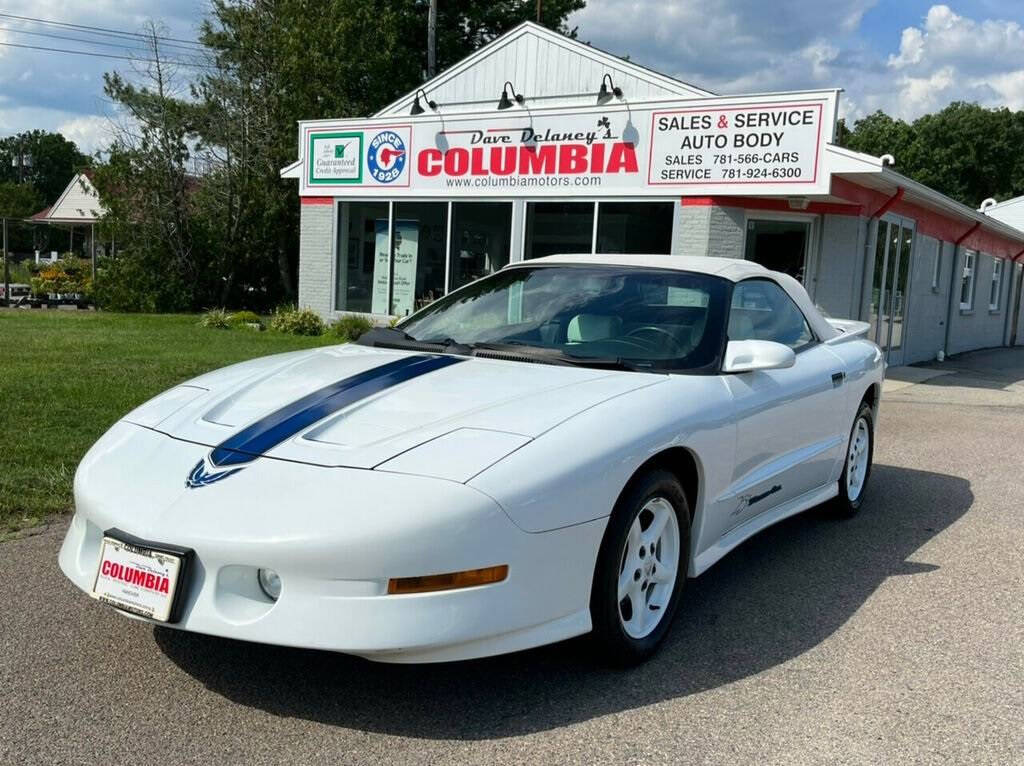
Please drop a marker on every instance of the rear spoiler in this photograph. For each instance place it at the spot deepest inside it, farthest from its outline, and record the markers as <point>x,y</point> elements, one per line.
<point>848,330</point>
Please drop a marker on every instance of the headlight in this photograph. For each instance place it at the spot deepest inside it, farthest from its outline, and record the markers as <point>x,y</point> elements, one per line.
<point>270,583</point>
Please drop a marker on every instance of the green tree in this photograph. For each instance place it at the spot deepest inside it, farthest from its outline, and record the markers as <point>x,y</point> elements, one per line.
<point>965,151</point>
<point>17,202</point>
<point>55,160</point>
<point>147,191</point>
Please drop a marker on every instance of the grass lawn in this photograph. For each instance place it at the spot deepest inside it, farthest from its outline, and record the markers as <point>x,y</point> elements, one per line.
<point>67,376</point>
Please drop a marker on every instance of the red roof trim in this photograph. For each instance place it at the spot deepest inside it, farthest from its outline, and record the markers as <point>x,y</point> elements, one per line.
<point>766,203</point>
<point>317,200</point>
<point>929,222</point>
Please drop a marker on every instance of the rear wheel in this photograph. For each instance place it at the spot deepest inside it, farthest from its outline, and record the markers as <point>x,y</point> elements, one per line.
<point>641,569</point>
<point>857,469</point>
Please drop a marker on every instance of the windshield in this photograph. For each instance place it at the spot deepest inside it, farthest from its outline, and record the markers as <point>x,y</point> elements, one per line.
<point>654,319</point>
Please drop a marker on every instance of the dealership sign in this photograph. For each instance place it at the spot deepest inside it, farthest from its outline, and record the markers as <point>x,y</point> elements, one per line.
<point>744,145</point>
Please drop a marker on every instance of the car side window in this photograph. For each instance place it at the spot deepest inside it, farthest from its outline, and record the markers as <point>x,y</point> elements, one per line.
<point>761,310</point>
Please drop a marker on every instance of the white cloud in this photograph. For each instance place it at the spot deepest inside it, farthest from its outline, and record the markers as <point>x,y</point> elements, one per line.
<point>952,57</point>
<point>746,46</point>
<point>91,133</point>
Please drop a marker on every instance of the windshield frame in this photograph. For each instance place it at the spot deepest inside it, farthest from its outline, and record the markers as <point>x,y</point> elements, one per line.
<point>715,324</point>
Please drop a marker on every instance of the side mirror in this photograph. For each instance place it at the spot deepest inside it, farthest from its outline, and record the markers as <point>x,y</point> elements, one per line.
<point>751,355</point>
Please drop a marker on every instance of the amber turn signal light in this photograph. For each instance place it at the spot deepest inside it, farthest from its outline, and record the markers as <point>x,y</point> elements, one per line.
<point>450,581</point>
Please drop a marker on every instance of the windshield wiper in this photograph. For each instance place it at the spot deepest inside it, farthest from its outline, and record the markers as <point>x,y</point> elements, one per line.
<point>548,355</point>
<point>392,337</point>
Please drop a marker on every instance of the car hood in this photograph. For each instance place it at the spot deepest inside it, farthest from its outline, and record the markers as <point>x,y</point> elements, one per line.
<point>363,407</point>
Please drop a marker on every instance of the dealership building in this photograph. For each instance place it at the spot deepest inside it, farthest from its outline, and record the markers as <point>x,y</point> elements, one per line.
<point>538,144</point>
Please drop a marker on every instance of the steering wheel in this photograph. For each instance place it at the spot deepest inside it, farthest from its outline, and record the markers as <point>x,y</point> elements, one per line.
<point>657,331</point>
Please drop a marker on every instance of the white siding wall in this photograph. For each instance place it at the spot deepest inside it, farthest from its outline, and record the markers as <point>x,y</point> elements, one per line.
<point>541,65</point>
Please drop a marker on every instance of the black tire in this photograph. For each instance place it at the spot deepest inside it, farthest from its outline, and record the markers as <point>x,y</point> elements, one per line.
<point>843,506</point>
<point>610,641</point>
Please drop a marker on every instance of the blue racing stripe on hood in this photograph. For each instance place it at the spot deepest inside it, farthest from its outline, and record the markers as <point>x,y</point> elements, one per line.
<point>267,432</point>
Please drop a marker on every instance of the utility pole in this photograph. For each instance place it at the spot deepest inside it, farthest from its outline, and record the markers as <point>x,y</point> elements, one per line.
<point>432,39</point>
<point>538,11</point>
<point>7,269</point>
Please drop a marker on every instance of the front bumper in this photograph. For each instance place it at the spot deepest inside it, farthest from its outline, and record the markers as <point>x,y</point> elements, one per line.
<point>335,536</point>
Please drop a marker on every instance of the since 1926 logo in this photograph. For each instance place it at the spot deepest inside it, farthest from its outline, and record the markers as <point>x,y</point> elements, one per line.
<point>386,157</point>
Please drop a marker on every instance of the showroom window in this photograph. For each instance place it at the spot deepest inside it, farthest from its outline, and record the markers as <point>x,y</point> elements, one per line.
<point>967,282</point>
<point>362,270</point>
<point>481,240</point>
<point>996,287</point>
<point>555,228</point>
<point>418,252</point>
<point>634,227</point>
<point>397,257</point>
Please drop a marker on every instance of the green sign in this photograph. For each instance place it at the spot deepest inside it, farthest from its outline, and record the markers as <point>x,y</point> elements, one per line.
<point>336,158</point>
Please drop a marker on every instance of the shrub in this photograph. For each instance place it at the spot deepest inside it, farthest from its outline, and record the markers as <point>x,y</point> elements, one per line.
<point>217,319</point>
<point>248,319</point>
<point>297,321</point>
<point>351,327</point>
<point>126,283</point>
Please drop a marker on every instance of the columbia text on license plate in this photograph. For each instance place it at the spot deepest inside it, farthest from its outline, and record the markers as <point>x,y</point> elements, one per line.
<point>137,579</point>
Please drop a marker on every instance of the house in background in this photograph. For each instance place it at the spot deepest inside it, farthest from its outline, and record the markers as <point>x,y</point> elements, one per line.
<point>77,208</point>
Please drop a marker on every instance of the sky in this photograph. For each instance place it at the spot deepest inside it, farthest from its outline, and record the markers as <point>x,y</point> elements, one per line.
<point>906,57</point>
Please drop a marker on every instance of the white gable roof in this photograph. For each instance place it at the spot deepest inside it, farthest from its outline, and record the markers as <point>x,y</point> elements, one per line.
<point>541,65</point>
<point>78,203</point>
<point>1010,212</point>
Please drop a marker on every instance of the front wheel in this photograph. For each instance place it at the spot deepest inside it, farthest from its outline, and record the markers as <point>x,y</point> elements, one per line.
<point>641,569</point>
<point>857,468</point>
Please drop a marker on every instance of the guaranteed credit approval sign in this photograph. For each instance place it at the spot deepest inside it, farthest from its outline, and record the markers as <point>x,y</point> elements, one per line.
<point>768,144</point>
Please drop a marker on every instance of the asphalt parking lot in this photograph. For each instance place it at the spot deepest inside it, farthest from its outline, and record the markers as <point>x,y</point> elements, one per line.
<point>896,637</point>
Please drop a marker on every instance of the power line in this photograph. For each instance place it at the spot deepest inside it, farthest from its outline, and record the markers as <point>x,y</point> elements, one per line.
<point>109,56</point>
<point>104,30</point>
<point>125,45</point>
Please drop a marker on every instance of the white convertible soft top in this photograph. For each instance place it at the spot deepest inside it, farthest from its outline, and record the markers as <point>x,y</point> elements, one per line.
<point>732,269</point>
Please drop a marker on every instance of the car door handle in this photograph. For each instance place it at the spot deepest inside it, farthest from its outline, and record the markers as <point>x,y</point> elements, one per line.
<point>837,379</point>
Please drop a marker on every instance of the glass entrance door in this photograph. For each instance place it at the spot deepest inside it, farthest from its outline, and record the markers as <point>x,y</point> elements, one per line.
<point>889,286</point>
<point>779,245</point>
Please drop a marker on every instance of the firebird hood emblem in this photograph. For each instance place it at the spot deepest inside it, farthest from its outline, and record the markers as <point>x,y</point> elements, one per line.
<point>199,477</point>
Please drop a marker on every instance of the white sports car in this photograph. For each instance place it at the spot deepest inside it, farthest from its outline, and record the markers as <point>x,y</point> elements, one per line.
<point>548,451</point>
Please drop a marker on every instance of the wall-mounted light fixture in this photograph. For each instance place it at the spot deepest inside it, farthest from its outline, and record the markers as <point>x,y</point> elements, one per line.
<point>417,108</point>
<point>505,102</point>
<point>608,89</point>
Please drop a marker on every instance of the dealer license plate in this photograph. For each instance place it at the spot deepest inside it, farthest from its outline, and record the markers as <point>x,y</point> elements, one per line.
<point>138,579</point>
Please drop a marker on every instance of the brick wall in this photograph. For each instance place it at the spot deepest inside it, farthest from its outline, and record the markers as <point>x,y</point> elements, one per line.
<point>710,230</point>
<point>316,270</point>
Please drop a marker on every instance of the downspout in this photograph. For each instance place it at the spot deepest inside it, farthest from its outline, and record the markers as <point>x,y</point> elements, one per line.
<point>889,203</point>
<point>952,281</point>
<point>1016,302</point>
<point>872,241</point>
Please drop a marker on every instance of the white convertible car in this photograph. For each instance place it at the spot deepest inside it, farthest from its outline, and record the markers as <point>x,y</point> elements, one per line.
<point>549,451</point>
